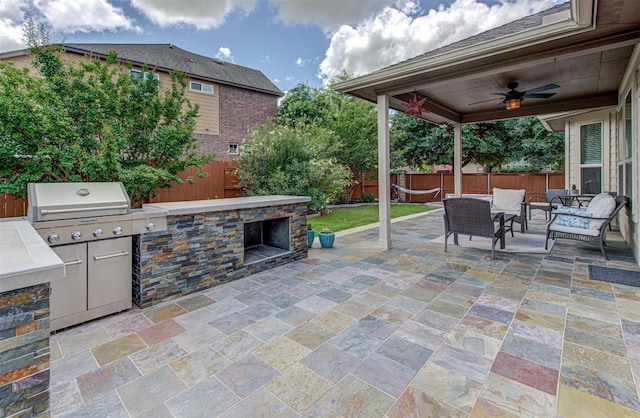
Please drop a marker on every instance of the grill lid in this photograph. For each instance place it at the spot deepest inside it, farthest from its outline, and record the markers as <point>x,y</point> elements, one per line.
<point>56,201</point>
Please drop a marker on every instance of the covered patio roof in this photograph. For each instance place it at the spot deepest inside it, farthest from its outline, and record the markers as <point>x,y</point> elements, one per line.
<point>583,47</point>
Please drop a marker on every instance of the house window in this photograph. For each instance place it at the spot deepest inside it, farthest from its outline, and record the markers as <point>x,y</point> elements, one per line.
<point>233,148</point>
<point>202,88</point>
<point>591,158</point>
<point>137,74</point>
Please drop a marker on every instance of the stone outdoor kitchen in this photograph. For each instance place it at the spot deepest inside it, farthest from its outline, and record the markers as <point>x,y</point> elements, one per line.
<point>177,248</point>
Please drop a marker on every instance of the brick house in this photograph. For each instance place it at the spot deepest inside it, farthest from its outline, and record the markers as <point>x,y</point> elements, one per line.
<point>232,98</point>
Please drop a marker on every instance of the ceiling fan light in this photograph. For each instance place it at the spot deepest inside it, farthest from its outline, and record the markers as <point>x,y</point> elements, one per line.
<point>513,103</point>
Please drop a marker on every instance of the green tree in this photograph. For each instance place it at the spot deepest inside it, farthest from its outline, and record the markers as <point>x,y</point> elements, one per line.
<point>301,105</point>
<point>353,122</point>
<point>540,147</point>
<point>92,121</point>
<point>490,144</point>
<point>417,142</point>
<point>291,161</point>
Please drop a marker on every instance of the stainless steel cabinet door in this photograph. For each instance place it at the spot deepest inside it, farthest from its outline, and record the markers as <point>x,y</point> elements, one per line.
<point>69,295</point>
<point>109,271</point>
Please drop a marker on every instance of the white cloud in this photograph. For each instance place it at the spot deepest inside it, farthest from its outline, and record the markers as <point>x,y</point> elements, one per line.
<point>11,17</point>
<point>70,16</point>
<point>224,53</point>
<point>328,14</point>
<point>395,34</point>
<point>13,9</point>
<point>301,62</point>
<point>59,16</point>
<point>203,14</point>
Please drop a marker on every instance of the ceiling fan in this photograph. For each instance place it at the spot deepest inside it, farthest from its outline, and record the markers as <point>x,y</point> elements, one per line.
<point>513,97</point>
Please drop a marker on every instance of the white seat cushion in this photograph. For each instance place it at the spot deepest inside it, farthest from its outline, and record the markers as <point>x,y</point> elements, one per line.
<point>473,196</point>
<point>573,230</point>
<point>507,200</point>
<point>601,206</point>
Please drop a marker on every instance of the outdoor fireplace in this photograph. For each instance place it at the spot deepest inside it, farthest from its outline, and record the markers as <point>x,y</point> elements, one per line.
<point>266,238</point>
<point>222,239</point>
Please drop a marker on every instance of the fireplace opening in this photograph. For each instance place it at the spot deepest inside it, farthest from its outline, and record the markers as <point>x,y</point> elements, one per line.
<point>264,239</point>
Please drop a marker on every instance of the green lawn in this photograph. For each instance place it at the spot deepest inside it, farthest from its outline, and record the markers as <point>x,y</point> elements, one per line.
<point>345,218</point>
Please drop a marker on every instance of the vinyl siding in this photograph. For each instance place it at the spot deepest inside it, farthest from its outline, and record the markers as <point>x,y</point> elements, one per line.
<point>209,115</point>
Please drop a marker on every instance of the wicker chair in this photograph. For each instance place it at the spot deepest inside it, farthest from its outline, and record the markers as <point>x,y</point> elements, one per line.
<point>551,200</point>
<point>469,216</point>
<point>511,202</point>
<point>592,235</point>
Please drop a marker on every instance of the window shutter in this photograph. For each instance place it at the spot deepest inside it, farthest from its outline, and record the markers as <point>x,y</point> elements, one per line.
<point>591,144</point>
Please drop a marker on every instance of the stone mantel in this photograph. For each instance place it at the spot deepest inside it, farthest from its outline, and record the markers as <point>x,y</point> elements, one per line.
<point>25,259</point>
<point>218,205</point>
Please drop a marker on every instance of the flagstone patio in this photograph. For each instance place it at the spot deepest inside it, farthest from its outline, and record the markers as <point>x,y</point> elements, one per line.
<point>356,331</point>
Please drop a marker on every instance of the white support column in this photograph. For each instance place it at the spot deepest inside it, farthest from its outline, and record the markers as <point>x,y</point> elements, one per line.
<point>457,159</point>
<point>384,173</point>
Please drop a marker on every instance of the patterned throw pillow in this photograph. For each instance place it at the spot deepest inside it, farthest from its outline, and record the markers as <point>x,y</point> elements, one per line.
<point>572,221</point>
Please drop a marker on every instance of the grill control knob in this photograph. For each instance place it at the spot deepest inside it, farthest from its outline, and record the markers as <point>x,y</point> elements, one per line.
<point>150,226</point>
<point>53,238</point>
<point>97,232</point>
<point>76,235</point>
<point>117,230</point>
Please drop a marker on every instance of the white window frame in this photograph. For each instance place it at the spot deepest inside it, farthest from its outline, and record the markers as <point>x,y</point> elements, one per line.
<point>600,165</point>
<point>627,146</point>
<point>625,155</point>
<point>233,145</point>
<point>204,88</point>
<point>145,74</point>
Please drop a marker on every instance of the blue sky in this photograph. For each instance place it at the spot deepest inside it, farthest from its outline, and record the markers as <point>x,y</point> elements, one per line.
<point>290,41</point>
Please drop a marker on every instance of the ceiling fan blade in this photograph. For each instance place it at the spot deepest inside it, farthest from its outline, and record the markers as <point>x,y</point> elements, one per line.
<point>538,96</point>
<point>541,88</point>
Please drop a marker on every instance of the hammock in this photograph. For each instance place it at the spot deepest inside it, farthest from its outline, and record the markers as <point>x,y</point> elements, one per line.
<point>397,189</point>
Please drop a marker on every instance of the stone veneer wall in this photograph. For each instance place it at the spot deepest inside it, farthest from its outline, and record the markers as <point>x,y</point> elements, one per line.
<point>200,251</point>
<point>24,351</point>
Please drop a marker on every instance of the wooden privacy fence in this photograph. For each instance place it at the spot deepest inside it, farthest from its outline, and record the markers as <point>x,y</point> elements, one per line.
<point>11,207</point>
<point>216,185</point>
<point>481,183</point>
<point>220,184</point>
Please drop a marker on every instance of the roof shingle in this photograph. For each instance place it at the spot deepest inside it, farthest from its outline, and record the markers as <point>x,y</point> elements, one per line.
<point>169,57</point>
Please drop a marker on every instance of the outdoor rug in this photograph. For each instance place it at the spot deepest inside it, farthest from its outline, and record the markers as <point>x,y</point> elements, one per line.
<point>613,275</point>
<point>520,243</point>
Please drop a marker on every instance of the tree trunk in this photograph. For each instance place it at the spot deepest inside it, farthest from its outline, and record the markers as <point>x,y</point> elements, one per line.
<point>348,193</point>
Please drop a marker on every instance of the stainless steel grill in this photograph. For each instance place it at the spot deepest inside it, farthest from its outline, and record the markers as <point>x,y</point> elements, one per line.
<point>89,226</point>
<point>53,201</point>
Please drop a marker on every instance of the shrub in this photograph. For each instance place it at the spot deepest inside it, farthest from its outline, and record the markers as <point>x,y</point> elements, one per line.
<point>291,161</point>
<point>367,197</point>
<point>91,121</point>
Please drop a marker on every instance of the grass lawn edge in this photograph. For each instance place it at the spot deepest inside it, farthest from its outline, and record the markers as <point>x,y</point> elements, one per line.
<point>377,224</point>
